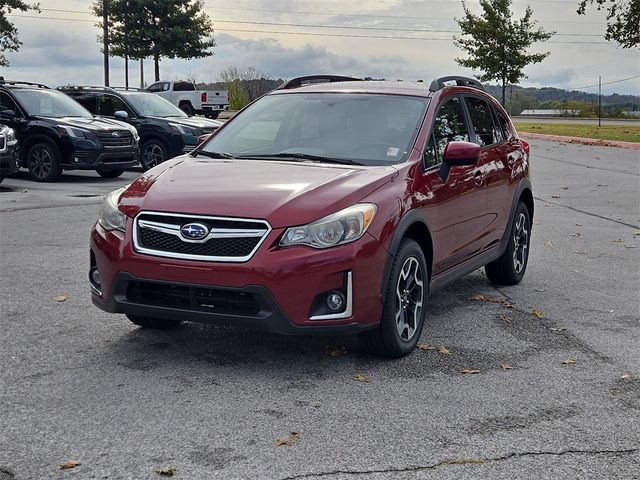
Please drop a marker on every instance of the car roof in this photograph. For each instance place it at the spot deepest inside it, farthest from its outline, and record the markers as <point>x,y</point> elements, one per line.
<point>420,89</point>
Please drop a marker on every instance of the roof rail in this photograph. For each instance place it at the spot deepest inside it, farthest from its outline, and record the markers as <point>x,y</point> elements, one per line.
<point>135,89</point>
<point>84,87</point>
<point>312,79</point>
<point>440,83</point>
<point>16,82</point>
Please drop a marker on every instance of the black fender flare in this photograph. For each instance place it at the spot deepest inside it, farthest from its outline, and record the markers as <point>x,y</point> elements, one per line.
<point>31,140</point>
<point>409,219</point>
<point>523,186</point>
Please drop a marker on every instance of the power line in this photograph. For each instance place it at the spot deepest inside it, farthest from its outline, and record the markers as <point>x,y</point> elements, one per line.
<point>605,83</point>
<point>314,34</point>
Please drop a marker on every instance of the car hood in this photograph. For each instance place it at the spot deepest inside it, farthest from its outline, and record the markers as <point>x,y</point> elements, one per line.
<point>95,124</point>
<point>283,193</point>
<point>199,123</point>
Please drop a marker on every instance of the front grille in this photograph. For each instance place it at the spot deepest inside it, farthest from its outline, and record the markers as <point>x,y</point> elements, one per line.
<point>124,138</point>
<point>201,299</point>
<point>230,240</point>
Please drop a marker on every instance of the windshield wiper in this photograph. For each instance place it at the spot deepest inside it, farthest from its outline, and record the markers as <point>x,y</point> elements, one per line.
<point>212,154</point>
<point>304,156</point>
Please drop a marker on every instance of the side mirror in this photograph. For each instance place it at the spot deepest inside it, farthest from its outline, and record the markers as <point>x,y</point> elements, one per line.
<point>459,154</point>
<point>121,115</point>
<point>7,115</point>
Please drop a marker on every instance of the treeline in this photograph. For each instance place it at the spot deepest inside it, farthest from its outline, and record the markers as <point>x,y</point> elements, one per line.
<point>568,101</point>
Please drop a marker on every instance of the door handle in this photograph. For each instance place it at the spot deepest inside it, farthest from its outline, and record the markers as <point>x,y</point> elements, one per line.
<point>478,178</point>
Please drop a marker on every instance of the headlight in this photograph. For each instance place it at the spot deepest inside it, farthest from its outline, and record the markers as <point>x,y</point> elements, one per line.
<point>182,129</point>
<point>342,227</point>
<point>11,135</point>
<point>110,217</point>
<point>72,131</point>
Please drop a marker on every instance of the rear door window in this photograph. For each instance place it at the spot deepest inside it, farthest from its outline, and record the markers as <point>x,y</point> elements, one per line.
<point>87,100</point>
<point>449,126</point>
<point>109,104</point>
<point>486,132</point>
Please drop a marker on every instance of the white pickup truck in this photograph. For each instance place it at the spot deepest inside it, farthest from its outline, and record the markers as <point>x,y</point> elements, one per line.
<point>191,101</point>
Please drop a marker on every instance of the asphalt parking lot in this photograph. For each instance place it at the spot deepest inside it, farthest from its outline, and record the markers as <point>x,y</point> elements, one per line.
<point>211,402</point>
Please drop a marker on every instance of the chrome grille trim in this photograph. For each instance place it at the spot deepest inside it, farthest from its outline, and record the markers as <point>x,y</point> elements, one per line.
<point>219,233</point>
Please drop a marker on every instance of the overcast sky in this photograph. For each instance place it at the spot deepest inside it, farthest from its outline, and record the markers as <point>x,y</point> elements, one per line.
<point>61,46</point>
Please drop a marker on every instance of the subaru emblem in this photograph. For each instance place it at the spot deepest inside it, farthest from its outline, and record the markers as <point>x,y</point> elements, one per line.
<point>115,134</point>
<point>194,231</point>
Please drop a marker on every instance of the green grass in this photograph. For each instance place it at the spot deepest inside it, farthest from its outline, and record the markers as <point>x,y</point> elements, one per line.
<point>626,133</point>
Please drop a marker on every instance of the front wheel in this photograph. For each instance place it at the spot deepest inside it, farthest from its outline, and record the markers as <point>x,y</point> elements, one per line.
<point>510,267</point>
<point>404,305</point>
<point>110,173</point>
<point>43,162</point>
<point>153,323</point>
<point>153,153</point>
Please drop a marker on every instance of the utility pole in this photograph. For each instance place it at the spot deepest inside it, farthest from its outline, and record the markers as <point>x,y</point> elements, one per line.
<point>105,39</point>
<point>600,101</point>
<point>126,45</point>
<point>141,73</point>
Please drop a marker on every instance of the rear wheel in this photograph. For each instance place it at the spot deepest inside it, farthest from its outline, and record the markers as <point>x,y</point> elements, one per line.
<point>43,162</point>
<point>404,306</point>
<point>110,173</point>
<point>511,266</point>
<point>154,153</point>
<point>187,108</point>
<point>154,323</point>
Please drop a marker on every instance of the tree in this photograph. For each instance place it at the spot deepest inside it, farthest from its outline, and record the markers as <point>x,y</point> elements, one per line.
<point>158,29</point>
<point>9,41</point>
<point>498,44</point>
<point>623,20</point>
<point>238,97</point>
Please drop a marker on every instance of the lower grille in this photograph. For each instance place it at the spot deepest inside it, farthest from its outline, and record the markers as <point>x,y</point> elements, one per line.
<point>218,239</point>
<point>118,138</point>
<point>203,299</point>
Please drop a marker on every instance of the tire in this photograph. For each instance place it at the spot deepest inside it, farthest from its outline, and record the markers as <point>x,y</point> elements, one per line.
<point>213,115</point>
<point>43,162</point>
<point>187,108</point>
<point>110,173</point>
<point>511,266</point>
<point>403,311</point>
<point>1,178</point>
<point>153,152</point>
<point>154,323</point>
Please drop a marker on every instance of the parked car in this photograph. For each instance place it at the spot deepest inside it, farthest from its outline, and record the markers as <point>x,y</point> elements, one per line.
<point>56,133</point>
<point>333,207</point>
<point>8,152</point>
<point>165,130</point>
<point>190,100</point>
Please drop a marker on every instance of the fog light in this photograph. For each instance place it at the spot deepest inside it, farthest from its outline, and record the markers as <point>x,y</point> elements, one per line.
<point>76,160</point>
<point>335,301</point>
<point>94,276</point>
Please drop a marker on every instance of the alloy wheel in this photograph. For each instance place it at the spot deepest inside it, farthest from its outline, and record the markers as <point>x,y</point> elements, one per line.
<point>409,299</point>
<point>152,155</point>
<point>520,243</point>
<point>41,163</point>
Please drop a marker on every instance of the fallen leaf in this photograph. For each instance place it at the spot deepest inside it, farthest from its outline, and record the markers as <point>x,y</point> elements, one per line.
<point>555,196</point>
<point>444,350</point>
<point>70,464</point>
<point>24,190</point>
<point>564,188</point>
<point>618,240</point>
<point>626,376</point>
<point>469,371</point>
<point>630,246</point>
<point>293,438</point>
<point>501,301</point>
<point>577,234</point>
<point>581,252</point>
<point>557,329</point>
<point>167,471</point>
<point>547,205</point>
<point>602,185</point>
<point>506,366</point>
<point>60,298</point>
<point>548,243</point>
<point>505,318</point>
<point>334,351</point>
<point>537,313</point>
<point>578,225</point>
<point>568,361</point>
<point>425,346</point>
<point>478,298</point>
<point>536,222</point>
<point>361,378</point>
<point>636,233</point>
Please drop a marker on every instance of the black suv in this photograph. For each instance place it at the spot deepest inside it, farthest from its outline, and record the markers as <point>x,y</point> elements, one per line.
<point>8,150</point>
<point>56,133</point>
<point>165,130</point>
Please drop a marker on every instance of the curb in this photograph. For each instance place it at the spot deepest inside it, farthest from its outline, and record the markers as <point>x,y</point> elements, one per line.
<point>582,141</point>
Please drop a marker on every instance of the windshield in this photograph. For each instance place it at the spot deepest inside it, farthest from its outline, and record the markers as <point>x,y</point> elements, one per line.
<point>368,129</point>
<point>152,105</point>
<point>50,103</point>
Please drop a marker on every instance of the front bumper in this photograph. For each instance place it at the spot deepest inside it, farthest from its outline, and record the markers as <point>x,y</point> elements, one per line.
<point>9,161</point>
<point>276,288</point>
<point>107,159</point>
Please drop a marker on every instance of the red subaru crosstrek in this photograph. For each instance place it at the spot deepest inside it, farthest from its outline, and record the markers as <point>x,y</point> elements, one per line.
<point>330,205</point>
